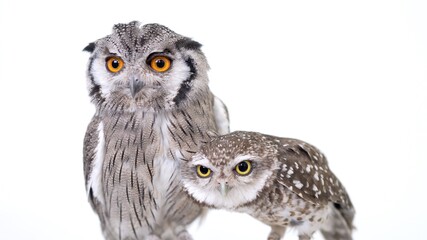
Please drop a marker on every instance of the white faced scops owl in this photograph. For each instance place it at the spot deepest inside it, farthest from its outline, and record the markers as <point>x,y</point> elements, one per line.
<point>280,181</point>
<point>153,110</point>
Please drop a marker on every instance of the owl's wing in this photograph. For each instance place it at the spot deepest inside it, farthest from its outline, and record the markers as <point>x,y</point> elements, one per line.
<point>90,152</point>
<point>221,116</point>
<point>305,171</point>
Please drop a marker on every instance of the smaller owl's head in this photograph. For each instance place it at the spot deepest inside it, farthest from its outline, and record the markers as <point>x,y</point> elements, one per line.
<point>146,67</point>
<point>231,170</point>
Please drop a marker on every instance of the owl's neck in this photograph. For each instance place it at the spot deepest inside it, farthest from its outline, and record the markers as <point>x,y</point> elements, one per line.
<point>117,104</point>
<point>191,125</point>
<point>122,105</point>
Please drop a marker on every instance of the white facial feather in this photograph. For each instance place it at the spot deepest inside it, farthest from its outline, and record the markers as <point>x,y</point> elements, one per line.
<point>200,159</point>
<point>243,189</point>
<point>102,76</point>
<point>178,73</point>
<point>171,80</point>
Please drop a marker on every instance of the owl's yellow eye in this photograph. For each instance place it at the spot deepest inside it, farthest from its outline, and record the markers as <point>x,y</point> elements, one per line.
<point>114,64</point>
<point>160,63</point>
<point>244,168</point>
<point>203,172</point>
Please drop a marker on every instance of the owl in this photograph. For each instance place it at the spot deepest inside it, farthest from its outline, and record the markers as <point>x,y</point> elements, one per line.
<point>281,182</point>
<point>154,109</point>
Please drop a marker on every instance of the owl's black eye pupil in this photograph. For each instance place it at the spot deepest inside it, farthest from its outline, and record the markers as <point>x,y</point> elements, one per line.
<point>115,64</point>
<point>204,170</point>
<point>243,166</point>
<point>160,63</point>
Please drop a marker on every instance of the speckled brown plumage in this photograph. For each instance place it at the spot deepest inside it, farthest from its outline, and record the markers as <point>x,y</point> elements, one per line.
<point>290,184</point>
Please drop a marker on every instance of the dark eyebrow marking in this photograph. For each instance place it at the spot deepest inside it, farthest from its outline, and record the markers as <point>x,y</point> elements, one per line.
<point>186,85</point>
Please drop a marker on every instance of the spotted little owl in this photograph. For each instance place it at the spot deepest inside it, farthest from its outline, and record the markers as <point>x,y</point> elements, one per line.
<point>153,110</point>
<point>280,181</point>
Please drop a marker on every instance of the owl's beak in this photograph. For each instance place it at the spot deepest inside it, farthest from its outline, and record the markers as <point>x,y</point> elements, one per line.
<point>224,188</point>
<point>135,85</point>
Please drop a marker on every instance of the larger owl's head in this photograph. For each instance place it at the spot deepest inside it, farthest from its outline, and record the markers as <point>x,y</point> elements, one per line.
<point>231,170</point>
<point>148,66</point>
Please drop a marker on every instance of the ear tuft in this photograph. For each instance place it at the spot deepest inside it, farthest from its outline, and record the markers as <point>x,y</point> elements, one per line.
<point>188,43</point>
<point>90,48</point>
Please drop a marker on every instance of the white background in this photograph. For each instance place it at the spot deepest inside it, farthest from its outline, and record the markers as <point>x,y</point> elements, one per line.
<point>348,77</point>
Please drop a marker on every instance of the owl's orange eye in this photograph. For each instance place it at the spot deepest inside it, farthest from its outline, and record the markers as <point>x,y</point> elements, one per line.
<point>203,172</point>
<point>244,168</point>
<point>114,64</point>
<point>160,63</point>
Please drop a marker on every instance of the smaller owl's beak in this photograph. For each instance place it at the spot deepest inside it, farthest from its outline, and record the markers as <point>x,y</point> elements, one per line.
<point>135,85</point>
<point>224,188</point>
